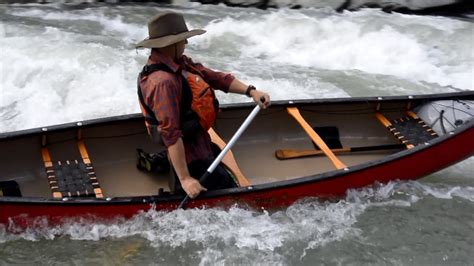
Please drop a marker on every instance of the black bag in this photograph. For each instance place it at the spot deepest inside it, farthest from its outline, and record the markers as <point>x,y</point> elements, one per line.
<point>330,135</point>
<point>10,189</point>
<point>153,162</point>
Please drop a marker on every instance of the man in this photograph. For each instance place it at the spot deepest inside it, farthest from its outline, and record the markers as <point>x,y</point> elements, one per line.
<point>178,102</point>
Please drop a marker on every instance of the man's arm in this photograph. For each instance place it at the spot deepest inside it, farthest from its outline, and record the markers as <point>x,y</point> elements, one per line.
<point>227,82</point>
<point>190,185</point>
<point>238,86</point>
<point>164,96</point>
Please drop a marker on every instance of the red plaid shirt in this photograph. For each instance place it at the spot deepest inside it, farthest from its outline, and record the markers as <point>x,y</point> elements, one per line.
<point>162,92</point>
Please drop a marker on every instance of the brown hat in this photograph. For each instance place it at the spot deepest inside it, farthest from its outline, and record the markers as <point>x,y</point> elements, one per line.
<point>165,29</point>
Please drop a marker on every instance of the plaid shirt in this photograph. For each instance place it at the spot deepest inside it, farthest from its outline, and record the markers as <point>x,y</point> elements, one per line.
<point>162,92</point>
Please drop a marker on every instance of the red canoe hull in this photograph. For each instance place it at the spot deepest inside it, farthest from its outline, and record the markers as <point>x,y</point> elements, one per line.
<point>406,165</point>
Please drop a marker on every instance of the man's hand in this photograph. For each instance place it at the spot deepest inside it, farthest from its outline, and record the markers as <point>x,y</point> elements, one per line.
<point>191,186</point>
<point>257,97</point>
<point>238,86</point>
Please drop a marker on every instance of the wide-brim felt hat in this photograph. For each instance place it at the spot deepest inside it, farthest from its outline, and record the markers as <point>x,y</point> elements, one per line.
<point>165,29</point>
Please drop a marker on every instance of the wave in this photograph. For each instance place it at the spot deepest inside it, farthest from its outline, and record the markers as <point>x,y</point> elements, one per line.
<point>216,231</point>
<point>84,63</point>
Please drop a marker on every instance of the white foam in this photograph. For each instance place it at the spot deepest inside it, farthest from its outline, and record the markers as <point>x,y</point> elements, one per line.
<point>446,192</point>
<point>81,79</point>
<point>369,41</point>
<point>245,229</point>
<point>112,25</point>
<point>85,64</point>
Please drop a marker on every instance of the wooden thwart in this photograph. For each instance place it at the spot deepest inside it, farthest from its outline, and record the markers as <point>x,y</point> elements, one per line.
<point>293,111</point>
<point>229,159</point>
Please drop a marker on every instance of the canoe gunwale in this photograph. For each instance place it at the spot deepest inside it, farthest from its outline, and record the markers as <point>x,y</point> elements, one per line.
<point>282,103</point>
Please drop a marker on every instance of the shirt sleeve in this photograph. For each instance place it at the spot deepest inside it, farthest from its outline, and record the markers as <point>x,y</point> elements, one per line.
<point>217,80</point>
<point>165,100</point>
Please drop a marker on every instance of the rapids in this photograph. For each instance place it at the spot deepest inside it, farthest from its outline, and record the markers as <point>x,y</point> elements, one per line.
<point>63,63</point>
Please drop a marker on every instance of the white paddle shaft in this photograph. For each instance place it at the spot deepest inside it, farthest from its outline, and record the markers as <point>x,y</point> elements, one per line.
<point>227,147</point>
<point>234,138</point>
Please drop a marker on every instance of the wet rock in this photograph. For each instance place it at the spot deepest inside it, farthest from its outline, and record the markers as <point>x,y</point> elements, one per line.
<point>421,7</point>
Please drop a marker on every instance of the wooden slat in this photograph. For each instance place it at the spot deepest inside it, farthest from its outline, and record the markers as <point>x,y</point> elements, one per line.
<point>50,173</point>
<point>412,114</point>
<point>293,111</point>
<point>383,119</point>
<point>98,193</point>
<point>229,159</point>
<point>85,157</point>
<point>46,157</point>
<point>83,151</point>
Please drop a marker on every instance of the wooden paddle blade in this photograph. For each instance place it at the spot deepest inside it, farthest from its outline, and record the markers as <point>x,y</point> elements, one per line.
<point>229,159</point>
<point>293,111</point>
<point>291,154</point>
<point>285,154</point>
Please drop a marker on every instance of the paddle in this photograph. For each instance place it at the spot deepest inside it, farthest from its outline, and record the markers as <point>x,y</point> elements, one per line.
<point>229,145</point>
<point>284,154</point>
<point>293,111</point>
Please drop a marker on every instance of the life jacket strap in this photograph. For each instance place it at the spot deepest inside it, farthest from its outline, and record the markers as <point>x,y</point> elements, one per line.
<point>189,119</point>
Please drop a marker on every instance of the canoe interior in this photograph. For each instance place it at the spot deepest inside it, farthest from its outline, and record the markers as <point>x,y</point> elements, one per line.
<point>112,147</point>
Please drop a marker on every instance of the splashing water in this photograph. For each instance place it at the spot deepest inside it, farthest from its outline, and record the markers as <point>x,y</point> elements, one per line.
<point>83,60</point>
<point>307,227</point>
<point>63,63</point>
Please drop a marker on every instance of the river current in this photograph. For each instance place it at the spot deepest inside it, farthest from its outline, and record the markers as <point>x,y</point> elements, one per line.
<point>62,63</point>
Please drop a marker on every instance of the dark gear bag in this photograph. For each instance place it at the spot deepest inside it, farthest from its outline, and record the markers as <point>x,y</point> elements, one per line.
<point>9,189</point>
<point>153,162</point>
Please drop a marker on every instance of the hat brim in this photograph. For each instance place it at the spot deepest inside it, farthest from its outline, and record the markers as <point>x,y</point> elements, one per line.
<point>168,40</point>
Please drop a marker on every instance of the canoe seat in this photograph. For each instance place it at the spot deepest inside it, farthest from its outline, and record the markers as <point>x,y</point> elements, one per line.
<point>73,179</point>
<point>410,129</point>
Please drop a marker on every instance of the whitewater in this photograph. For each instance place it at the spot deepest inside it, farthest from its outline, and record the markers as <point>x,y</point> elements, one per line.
<point>66,63</point>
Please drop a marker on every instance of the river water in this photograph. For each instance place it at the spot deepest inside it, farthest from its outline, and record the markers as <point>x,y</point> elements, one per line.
<point>63,63</point>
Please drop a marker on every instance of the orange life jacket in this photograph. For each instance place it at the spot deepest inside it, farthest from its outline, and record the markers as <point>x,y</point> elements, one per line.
<point>199,104</point>
<point>204,101</point>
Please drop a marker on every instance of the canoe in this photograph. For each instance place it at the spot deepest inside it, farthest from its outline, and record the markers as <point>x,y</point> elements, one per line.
<point>292,150</point>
